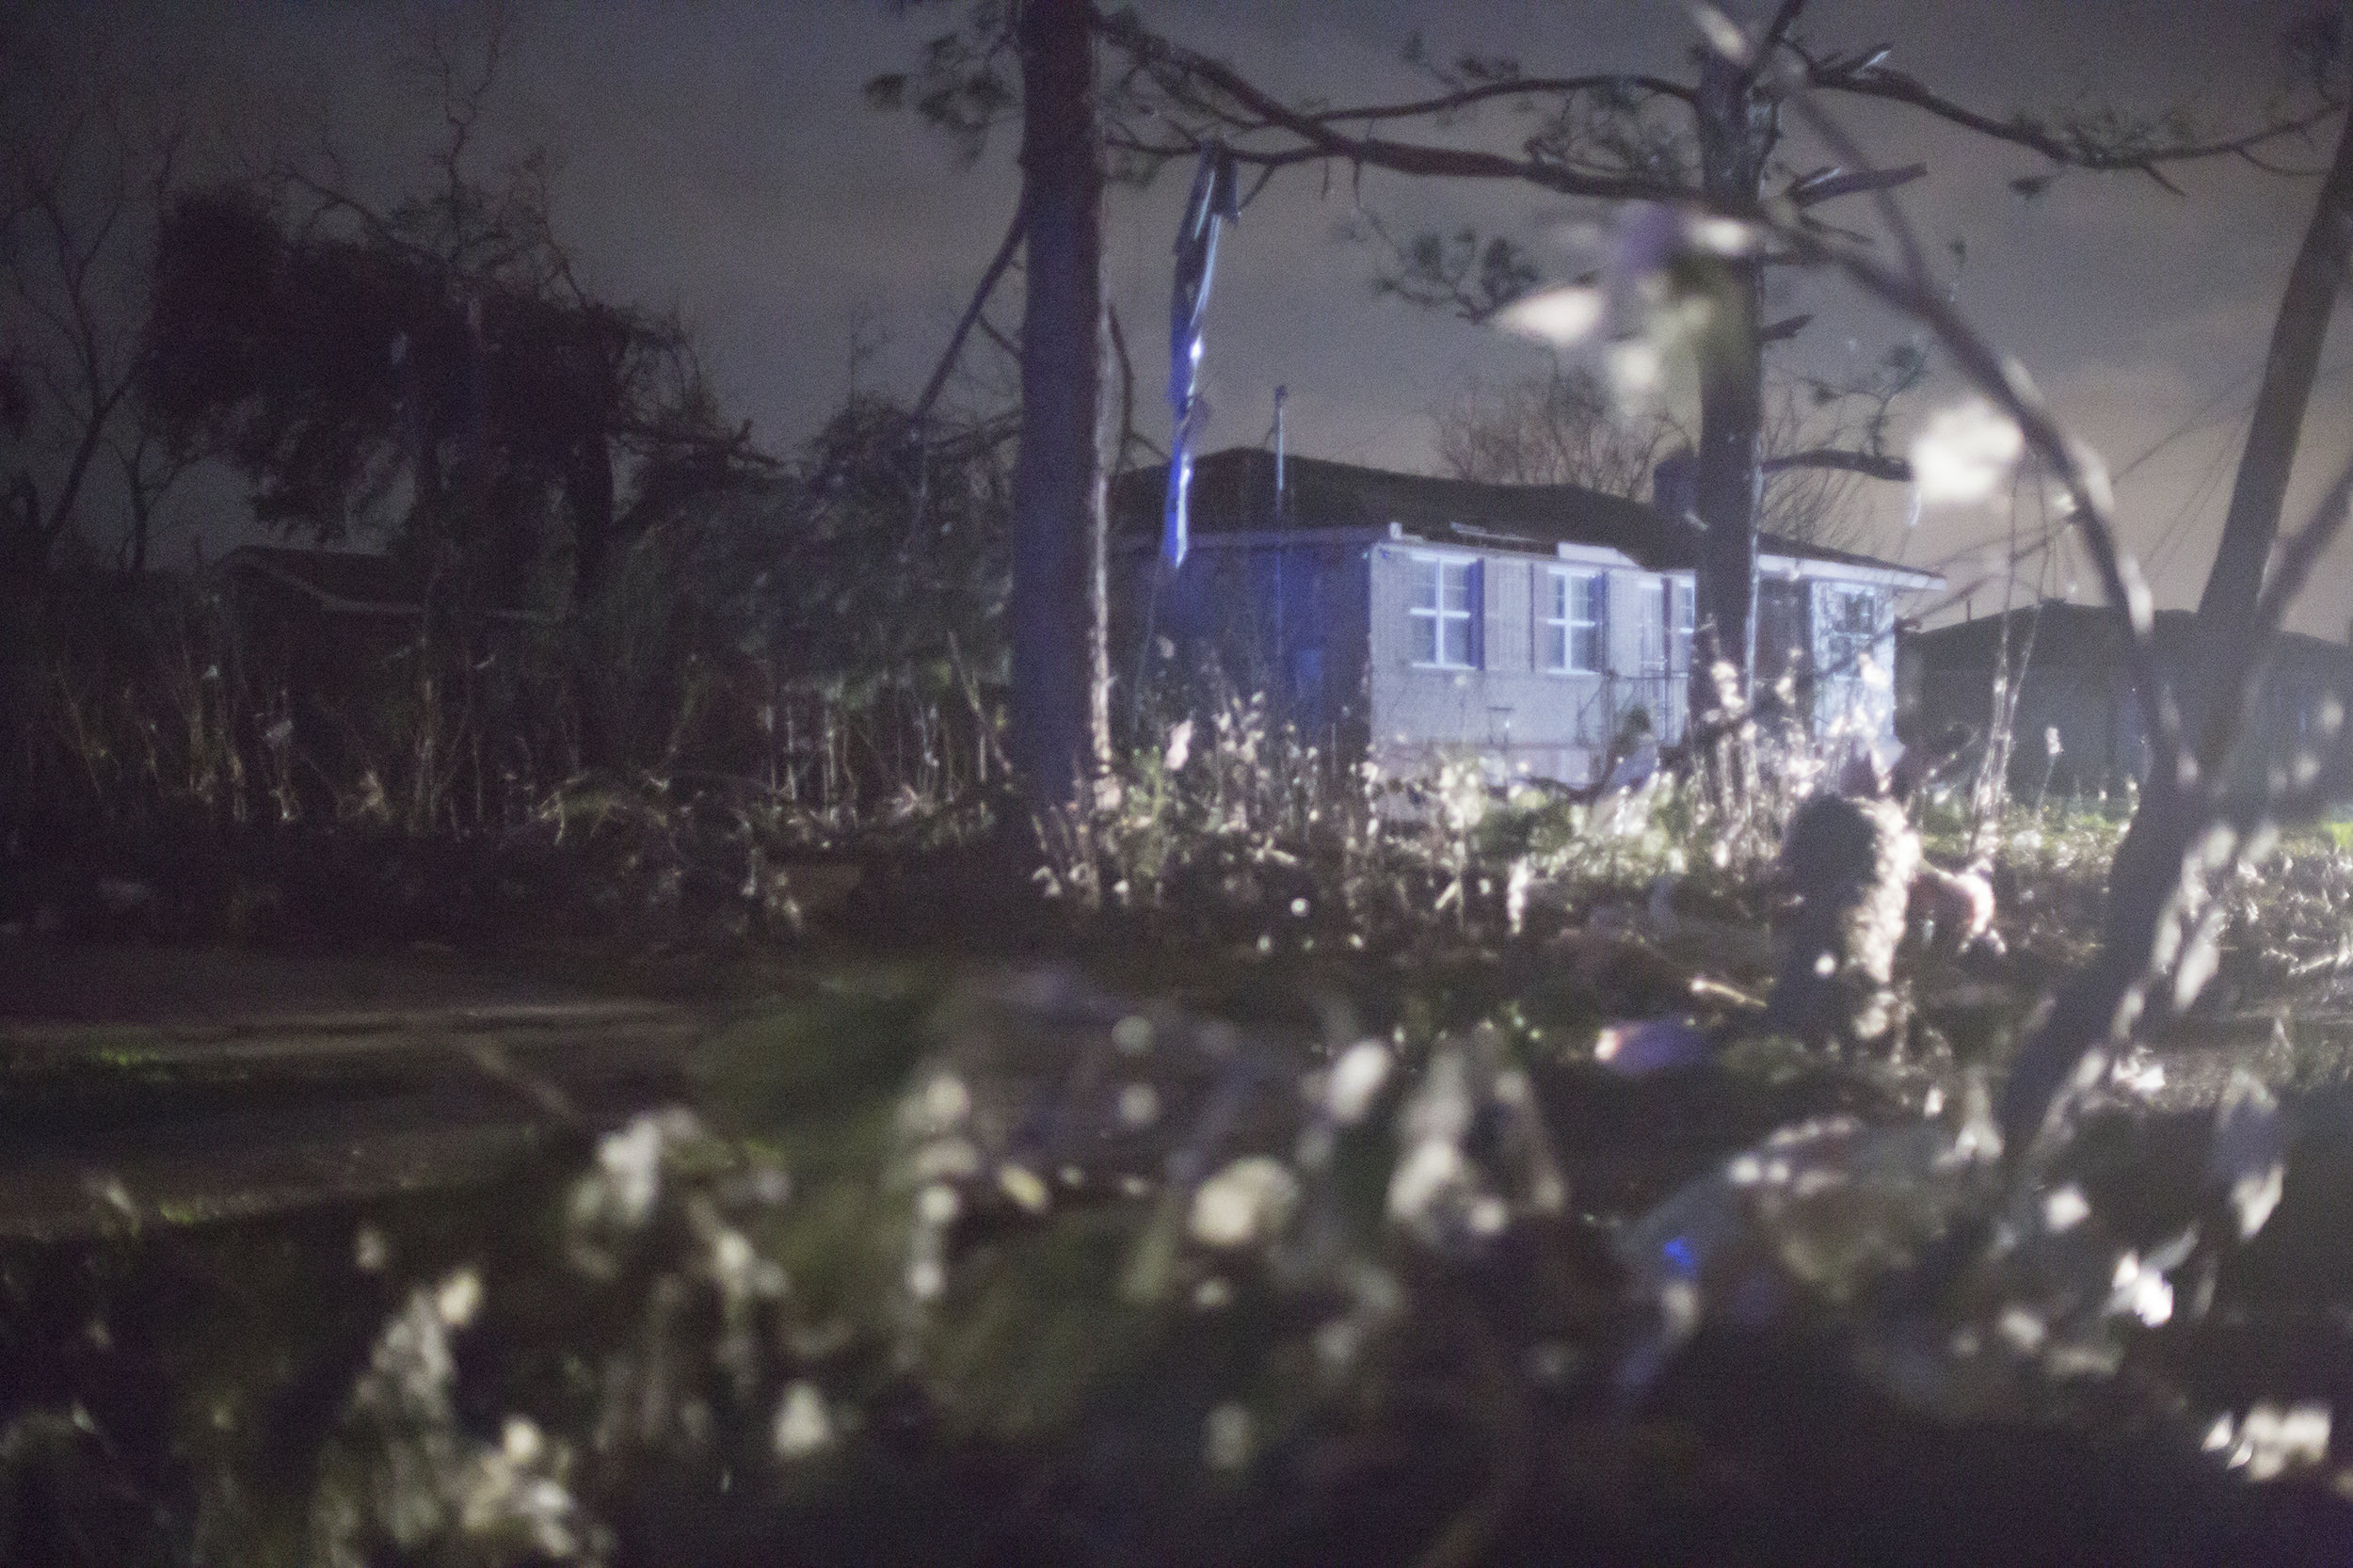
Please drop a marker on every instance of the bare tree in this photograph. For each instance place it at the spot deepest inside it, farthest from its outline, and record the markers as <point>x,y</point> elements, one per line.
<point>1562,427</point>
<point>1715,141</point>
<point>89,167</point>
<point>1566,427</point>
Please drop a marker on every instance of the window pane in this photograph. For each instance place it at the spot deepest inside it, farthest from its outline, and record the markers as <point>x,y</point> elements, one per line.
<point>1589,648</point>
<point>1456,579</point>
<point>1425,639</point>
<point>1457,639</point>
<point>1556,647</point>
<point>1597,598</point>
<point>1560,596</point>
<point>1425,585</point>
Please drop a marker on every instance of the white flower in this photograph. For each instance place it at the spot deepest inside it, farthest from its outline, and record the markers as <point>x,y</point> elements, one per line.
<point>1243,1203</point>
<point>630,1162</point>
<point>1719,236</point>
<point>521,1440</point>
<point>1356,1077</point>
<point>1179,747</point>
<point>2272,1441</point>
<point>1723,35</point>
<point>2065,1210</point>
<point>937,1205</point>
<point>1139,1105</point>
<point>1433,1167</point>
<point>1025,1187</point>
<point>458,1298</point>
<point>1563,317</point>
<point>1225,1437</point>
<point>1637,370</point>
<point>2142,1290</point>
<point>802,1424</point>
<point>1964,454</point>
<point>2249,1154</point>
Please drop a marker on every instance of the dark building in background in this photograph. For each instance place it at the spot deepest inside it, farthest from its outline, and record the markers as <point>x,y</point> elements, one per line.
<point>2075,681</point>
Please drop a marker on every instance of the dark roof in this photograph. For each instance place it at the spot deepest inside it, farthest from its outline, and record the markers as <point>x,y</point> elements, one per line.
<point>352,581</point>
<point>1775,544</point>
<point>2072,634</point>
<point>345,582</point>
<point>1233,491</point>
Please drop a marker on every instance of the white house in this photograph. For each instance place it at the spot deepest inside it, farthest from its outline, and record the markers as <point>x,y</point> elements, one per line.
<point>1404,616</point>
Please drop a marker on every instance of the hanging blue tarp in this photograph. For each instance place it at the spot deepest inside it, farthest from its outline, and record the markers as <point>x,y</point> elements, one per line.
<point>1214,201</point>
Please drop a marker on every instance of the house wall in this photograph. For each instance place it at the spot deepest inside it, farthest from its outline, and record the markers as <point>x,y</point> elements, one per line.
<point>1319,621</point>
<point>1853,699</point>
<point>1529,721</point>
<point>1285,620</point>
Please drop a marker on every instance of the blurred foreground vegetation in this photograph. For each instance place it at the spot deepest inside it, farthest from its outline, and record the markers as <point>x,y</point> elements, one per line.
<point>1264,1189</point>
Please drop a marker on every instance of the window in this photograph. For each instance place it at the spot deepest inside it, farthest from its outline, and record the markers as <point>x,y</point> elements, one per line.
<point>1577,628</point>
<point>1685,596</point>
<point>1443,610</point>
<point>1851,631</point>
<point>1652,593</point>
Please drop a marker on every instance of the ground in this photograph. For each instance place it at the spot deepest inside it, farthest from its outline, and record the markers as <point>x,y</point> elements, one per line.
<point>222,1169</point>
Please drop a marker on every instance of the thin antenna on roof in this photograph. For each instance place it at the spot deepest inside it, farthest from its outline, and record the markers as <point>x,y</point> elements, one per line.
<point>1280,394</point>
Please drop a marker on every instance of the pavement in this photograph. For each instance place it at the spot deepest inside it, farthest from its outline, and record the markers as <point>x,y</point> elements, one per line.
<point>179,1086</point>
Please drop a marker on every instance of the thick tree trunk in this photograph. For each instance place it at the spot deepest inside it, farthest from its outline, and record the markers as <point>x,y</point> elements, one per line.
<point>1057,469</point>
<point>2226,608</point>
<point>1727,477</point>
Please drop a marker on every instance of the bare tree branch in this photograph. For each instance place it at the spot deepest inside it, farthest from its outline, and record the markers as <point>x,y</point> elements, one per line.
<point>1184,67</point>
<point>1871,465</point>
<point>1517,87</point>
<point>1777,31</point>
<point>990,278</point>
<point>2120,149</point>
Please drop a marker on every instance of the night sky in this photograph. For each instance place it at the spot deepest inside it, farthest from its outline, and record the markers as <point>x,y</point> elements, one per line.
<point>720,158</point>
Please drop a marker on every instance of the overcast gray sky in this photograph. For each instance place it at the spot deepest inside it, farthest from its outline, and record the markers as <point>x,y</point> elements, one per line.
<point>720,157</point>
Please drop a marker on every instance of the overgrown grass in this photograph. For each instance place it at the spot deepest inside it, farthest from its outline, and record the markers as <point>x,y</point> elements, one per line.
<point>1196,1295</point>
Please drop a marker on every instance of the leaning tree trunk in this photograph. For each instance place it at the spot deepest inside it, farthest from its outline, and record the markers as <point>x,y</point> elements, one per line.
<point>2226,608</point>
<point>2101,1004</point>
<point>1731,396</point>
<point>1057,468</point>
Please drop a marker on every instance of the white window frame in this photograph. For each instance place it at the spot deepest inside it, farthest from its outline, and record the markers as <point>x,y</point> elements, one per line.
<point>1843,648</point>
<point>1655,595</point>
<point>1580,602</point>
<point>1431,570</point>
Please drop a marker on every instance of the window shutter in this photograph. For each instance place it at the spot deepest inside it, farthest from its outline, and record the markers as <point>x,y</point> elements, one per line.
<point>1509,603</point>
